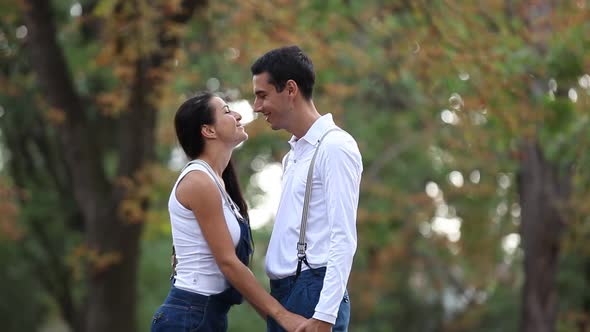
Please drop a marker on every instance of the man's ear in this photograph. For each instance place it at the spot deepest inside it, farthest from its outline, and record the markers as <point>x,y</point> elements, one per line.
<point>292,88</point>
<point>208,131</point>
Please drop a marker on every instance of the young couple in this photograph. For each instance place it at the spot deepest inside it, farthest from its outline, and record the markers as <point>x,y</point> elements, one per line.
<point>313,241</point>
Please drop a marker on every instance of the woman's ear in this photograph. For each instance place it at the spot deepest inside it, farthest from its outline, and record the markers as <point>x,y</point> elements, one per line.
<point>208,131</point>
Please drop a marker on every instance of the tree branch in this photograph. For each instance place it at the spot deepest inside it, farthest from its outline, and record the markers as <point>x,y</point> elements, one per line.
<point>136,139</point>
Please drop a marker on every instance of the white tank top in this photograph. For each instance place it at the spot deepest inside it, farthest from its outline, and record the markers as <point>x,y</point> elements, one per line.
<point>196,270</point>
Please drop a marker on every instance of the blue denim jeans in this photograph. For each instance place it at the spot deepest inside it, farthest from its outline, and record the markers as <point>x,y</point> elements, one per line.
<point>188,311</point>
<point>301,295</point>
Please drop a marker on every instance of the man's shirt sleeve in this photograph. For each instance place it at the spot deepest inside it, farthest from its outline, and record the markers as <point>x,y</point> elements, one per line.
<point>340,168</point>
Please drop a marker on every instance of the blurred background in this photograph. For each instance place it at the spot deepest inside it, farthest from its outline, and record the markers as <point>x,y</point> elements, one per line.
<point>472,118</point>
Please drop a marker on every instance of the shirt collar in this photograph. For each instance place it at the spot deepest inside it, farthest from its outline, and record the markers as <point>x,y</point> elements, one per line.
<point>317,129</point>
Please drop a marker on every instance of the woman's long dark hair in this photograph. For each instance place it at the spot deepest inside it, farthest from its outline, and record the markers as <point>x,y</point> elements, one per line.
<point>191,115</point>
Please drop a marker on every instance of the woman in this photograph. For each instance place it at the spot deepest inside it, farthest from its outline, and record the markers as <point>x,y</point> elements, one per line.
<point>210,233</point>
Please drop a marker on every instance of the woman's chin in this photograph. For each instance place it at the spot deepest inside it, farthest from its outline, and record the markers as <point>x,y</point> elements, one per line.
<point>243,138</point>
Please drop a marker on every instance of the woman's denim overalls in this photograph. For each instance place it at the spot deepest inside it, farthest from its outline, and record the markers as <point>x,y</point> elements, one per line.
<point>188,311</point>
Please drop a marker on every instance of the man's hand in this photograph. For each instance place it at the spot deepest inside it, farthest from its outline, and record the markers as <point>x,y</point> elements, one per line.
<point>314,325</point>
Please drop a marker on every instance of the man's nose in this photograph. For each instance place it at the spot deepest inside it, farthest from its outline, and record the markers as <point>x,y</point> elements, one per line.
<point>257,106</point>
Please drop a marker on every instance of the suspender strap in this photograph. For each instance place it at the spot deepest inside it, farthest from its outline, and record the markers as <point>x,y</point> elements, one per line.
<point>302,245</point>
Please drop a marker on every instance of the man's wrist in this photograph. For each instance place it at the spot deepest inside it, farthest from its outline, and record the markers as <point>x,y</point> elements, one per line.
<point>328,319</point>
<point>322,322</point>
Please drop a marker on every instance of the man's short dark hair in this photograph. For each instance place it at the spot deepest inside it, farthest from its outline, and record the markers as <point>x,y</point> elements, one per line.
<point>287,63</point>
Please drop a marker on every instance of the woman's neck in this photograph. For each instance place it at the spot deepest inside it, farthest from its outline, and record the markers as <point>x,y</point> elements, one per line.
<point>218,161</point>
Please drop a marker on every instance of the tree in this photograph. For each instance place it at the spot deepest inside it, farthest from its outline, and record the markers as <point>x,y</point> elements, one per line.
<point>106,173</point>
<point>471,117</point>
<point>389,72</point>
<point>525,124</point>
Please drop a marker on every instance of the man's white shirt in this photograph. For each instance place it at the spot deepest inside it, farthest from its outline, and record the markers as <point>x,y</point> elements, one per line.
<point>331,225</point>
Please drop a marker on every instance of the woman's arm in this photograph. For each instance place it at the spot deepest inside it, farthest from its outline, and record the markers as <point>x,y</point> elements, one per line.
<point>258,310</point>
<point>198,193</point>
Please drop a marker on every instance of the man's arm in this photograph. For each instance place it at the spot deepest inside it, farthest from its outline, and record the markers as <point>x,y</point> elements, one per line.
<point>340,169</point>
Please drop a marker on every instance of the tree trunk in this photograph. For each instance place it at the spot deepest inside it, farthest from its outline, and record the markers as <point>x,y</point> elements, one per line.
<point>111,239</point>
<point>543,190</point>
<point>112,290</point>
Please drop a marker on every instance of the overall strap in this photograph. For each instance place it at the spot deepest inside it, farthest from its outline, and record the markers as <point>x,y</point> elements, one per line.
<point>302,245</point>
<point>224,194</point>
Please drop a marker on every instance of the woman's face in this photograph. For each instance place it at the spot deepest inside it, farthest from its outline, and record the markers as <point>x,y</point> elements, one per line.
<point>227,123</point>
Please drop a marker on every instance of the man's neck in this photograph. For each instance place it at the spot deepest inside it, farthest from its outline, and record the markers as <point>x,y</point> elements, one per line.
<point>307,115</point>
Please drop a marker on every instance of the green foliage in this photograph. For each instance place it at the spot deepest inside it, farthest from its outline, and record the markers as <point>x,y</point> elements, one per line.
<point>154,278</point>
<point>386,71</point>
<point>23,305</point>
<point>565,64</point>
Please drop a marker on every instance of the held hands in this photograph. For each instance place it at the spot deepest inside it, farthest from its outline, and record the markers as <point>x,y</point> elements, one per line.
<point>290,321</point>
<point>314,325</point>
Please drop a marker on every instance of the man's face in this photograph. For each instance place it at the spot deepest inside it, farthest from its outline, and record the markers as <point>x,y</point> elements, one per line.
<point>272,104</point>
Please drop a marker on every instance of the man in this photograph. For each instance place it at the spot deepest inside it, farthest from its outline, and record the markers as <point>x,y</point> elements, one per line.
<point>283,82</point>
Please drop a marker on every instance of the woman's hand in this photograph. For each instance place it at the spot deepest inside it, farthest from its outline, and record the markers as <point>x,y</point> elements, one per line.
<point>314,325</point>
<point>290,321</point>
